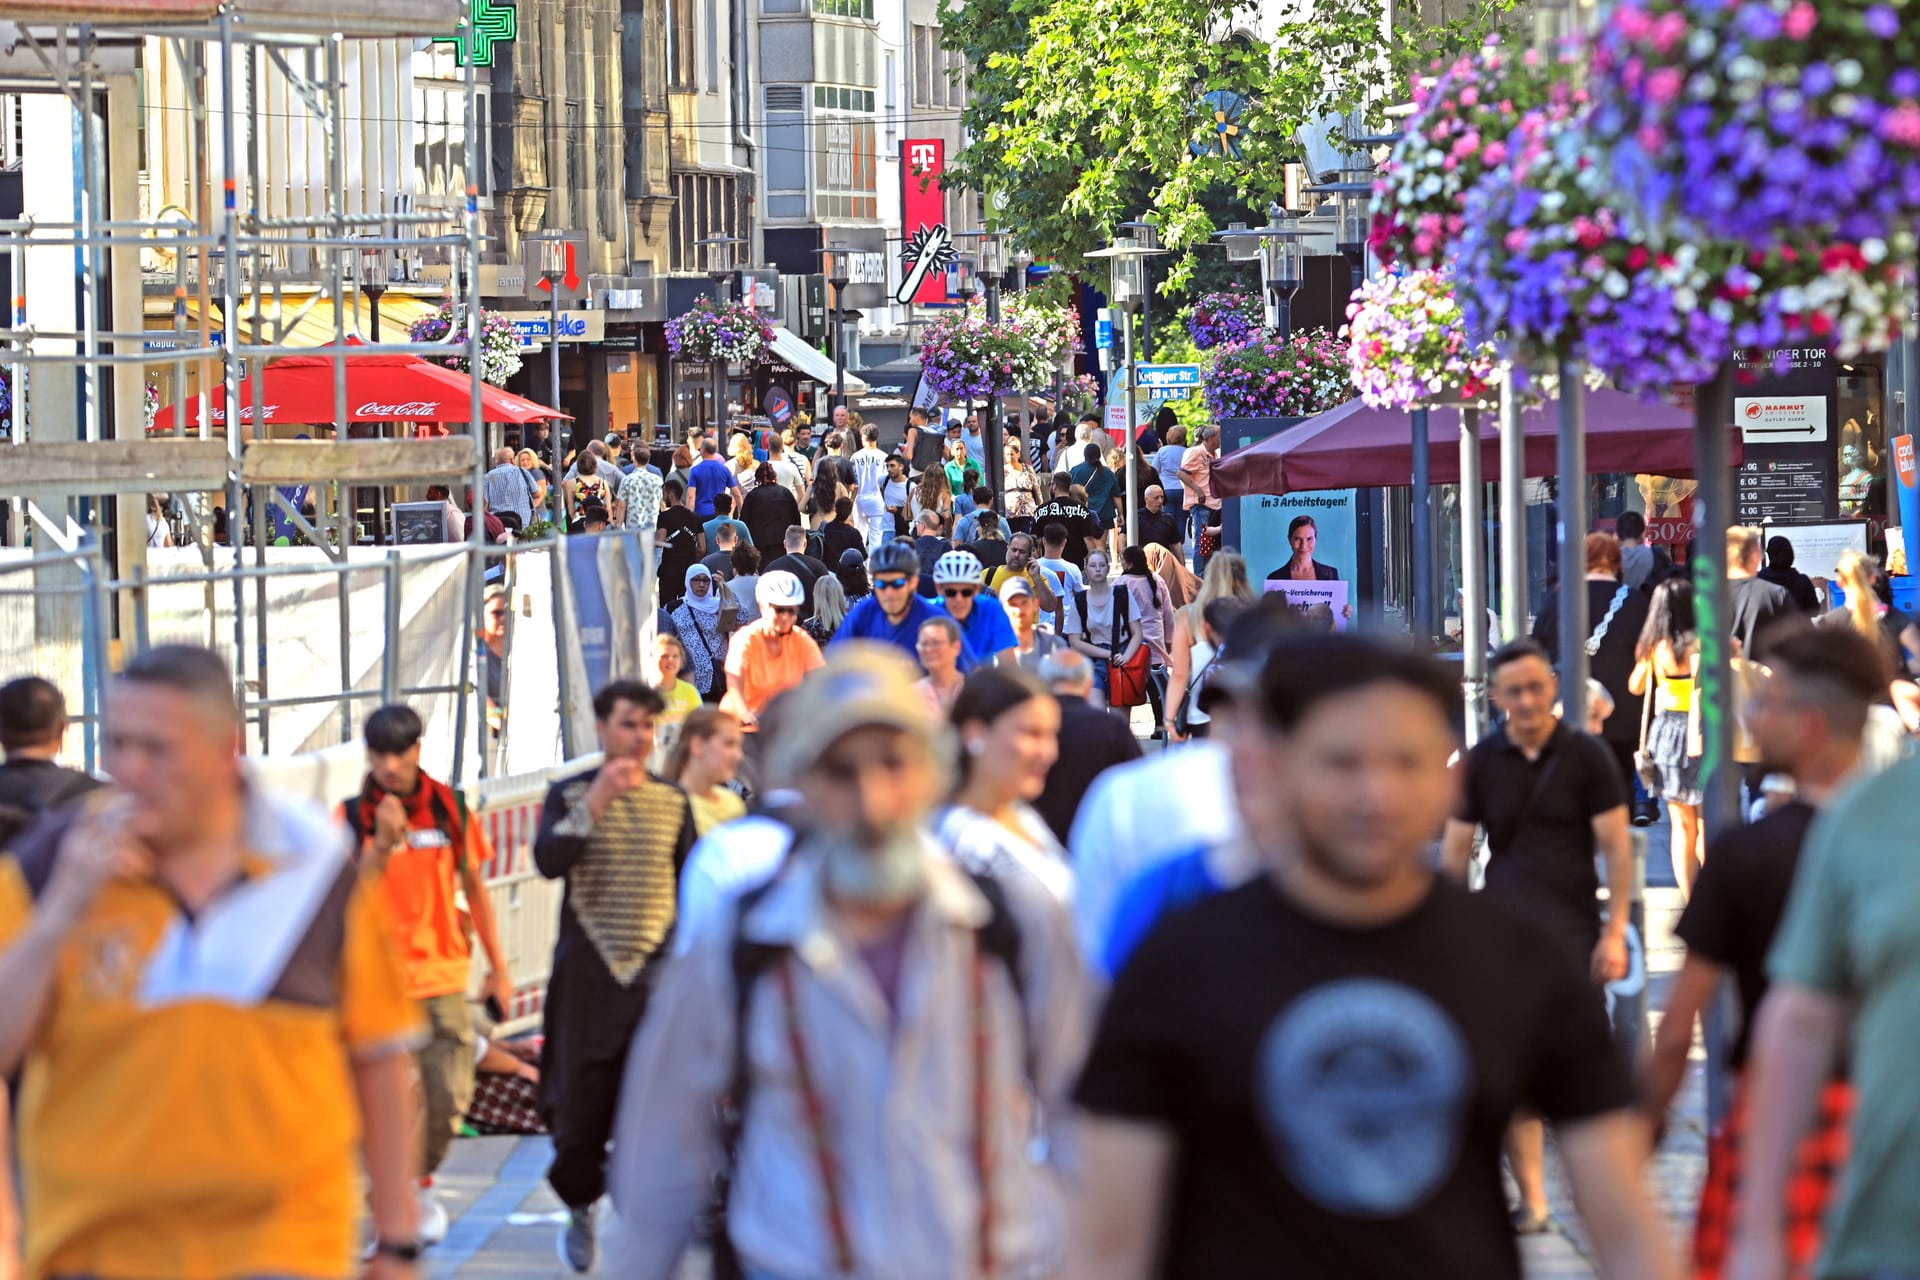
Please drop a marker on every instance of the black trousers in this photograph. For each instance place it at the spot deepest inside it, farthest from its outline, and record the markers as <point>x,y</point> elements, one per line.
<point>590,1022</point>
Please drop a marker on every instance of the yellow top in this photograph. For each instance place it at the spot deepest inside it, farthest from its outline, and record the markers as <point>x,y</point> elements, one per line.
<point>682,702</point>
<point>187,1108</point>
<point>724,807</point>
<point>1676,692</point>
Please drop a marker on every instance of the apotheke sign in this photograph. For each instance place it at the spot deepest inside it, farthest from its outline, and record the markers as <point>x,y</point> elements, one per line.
<point>533,327</point>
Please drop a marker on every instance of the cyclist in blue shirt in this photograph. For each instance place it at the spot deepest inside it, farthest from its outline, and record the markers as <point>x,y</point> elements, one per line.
<point>894,612</point>
<point>986,633</point>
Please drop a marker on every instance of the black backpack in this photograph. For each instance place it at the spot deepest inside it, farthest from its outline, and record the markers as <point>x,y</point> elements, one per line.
<point>999,938</point>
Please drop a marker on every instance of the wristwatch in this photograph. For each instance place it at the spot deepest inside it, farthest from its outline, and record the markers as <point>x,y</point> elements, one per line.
<point>399,1251</point>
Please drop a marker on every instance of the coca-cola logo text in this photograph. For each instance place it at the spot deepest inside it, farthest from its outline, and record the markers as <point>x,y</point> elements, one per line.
<point>407,409</point>
<point>267,413</point>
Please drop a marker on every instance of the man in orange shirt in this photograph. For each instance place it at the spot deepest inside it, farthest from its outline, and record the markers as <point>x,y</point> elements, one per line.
<point>771,655</point>
<point>213,1028</point>
<point>415,837</point>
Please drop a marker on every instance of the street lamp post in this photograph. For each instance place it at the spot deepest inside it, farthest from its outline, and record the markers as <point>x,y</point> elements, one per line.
<point>1282,259</point>
<point>719,253</point>
<point>1129,257</point>
<point>551,248</point>
<point>1022,259</point>
<point>836,262</point>
<point>1145,231</point>
<point>992,266</point>
<point>964,280</point>
<point>373,283</point>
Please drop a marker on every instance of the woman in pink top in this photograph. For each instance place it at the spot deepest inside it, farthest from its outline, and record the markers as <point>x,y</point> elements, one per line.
<point>938,646</point>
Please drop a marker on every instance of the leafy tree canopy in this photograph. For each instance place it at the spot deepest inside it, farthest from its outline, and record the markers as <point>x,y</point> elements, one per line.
<point>1083,111</point>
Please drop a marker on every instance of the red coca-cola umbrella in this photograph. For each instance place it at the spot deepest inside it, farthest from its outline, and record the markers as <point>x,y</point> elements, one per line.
<point>379,389</point>
<point>1357,447</point>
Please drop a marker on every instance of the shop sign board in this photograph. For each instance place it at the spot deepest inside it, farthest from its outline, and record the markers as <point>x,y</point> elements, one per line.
<point>1781,419</point>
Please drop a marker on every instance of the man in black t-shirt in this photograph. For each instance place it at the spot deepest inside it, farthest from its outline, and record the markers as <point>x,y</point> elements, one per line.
<point>1807,720</point>
<point>1309,1076</point>
<point>33,731</point>
<point>1547,795</point>
<point>1082,526</point>
<point>681,542</point>
<point>797,562</point>
<point>1757,603</point>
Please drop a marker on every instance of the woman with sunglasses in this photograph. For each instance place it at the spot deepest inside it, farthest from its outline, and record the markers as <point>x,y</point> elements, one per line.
<point>985,631</point>
<point>895,611</point>
<point>939,649</point>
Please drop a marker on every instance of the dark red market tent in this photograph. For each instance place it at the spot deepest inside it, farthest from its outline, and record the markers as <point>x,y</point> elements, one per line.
<point>1357,447</point>
<point>379,389</point>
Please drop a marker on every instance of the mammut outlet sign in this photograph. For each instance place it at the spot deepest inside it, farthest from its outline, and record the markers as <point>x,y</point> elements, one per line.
<point>1801,419</point>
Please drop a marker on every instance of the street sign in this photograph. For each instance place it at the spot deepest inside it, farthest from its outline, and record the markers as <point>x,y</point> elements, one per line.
<point>1152,376</point>
<point>572,282</point>
<point>1103,331</point>
<point>1157,394</point>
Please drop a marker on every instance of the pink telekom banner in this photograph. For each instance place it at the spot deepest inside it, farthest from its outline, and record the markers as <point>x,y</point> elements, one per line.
<point>928,247</point>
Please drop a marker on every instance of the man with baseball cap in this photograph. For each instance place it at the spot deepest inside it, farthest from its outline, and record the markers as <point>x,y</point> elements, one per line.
<point>770,655</point>
<point>879,1020</point>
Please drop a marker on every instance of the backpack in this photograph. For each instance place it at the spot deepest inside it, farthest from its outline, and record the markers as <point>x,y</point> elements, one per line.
<point>450,821</point>
<point>999,939</point>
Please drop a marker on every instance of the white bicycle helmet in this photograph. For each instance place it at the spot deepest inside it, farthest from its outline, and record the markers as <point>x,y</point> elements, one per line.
<point>957,566</point>
<point>780,589</point>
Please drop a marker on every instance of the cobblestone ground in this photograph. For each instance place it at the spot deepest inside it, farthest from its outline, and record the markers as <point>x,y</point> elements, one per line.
<point>506,1218</point>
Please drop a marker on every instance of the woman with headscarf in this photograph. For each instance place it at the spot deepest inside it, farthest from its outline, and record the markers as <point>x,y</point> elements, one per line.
<point>1182,587</point>
<point>703,636</point>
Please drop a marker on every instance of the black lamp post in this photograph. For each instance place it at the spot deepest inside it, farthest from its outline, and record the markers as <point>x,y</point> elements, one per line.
<point>373,283</point>
<point>1129,258</point>
<point>551,248</point>
<point>1145,232</point>
<point>719,251</point>
<point>836,263</point>
<point>1278,247</point>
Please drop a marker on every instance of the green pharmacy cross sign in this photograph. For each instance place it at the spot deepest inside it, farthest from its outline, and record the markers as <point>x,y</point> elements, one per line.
<point>490,22</point>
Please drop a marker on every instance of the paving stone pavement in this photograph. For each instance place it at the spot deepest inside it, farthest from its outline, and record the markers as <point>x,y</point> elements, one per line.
<point>506,1218</point>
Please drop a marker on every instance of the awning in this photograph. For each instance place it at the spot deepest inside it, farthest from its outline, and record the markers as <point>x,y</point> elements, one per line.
<point>791,350</point>
<point>1355,447</point>
<point>314,327</point>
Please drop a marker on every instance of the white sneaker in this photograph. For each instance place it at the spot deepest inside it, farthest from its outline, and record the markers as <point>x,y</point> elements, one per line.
<point>433,1218</point>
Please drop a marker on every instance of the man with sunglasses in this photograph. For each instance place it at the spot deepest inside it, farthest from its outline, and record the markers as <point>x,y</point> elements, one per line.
<point>986,633</point>
<point>893,614</point>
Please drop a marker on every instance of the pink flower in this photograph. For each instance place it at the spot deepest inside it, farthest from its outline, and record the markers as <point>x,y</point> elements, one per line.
<point>1469,96</point>
<point>1668,30</point>
<point>1516,241</point>
<point>1902,125</point>
<point>1664,85</point>
<point>1800,21</point>
<point>1495,154</point>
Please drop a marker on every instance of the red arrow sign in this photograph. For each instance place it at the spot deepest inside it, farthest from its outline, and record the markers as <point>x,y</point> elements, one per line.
<point>571,279</point>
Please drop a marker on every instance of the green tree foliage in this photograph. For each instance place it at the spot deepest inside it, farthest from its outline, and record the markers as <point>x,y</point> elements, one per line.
<point>1083,111</point>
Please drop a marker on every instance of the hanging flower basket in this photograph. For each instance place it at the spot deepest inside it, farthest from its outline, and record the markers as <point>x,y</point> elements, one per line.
<point>965,358</point>
<point>1053,329</point>
<point>1224,319</point>
<point>1265,377</point>
<point>1407,342</point>
<point>499,345</point>
<point>730,331</point>
<point>1552,266</point>
<point>1458,132</point>
<point>1766,121</point>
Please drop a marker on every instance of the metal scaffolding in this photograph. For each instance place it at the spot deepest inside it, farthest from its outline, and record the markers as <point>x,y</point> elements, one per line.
<point>68,479</point>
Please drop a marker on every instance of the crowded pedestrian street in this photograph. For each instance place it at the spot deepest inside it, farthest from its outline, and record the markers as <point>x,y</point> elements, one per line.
<point>932,641</point>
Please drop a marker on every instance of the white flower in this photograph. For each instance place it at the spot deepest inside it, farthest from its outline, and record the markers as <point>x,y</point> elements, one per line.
<point>1793,300</point>
<point>1553,201</point>
<point>1700,46</point>
<point>1744,67</point>
<point>1844,105</point>
<point>1614,285</point>
<point>1874,250</point>
<point>1686,300</point>
<point>1846,73</point>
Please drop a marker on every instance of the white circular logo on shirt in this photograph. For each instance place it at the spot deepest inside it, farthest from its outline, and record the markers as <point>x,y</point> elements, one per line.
<point>1363,1086</point>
